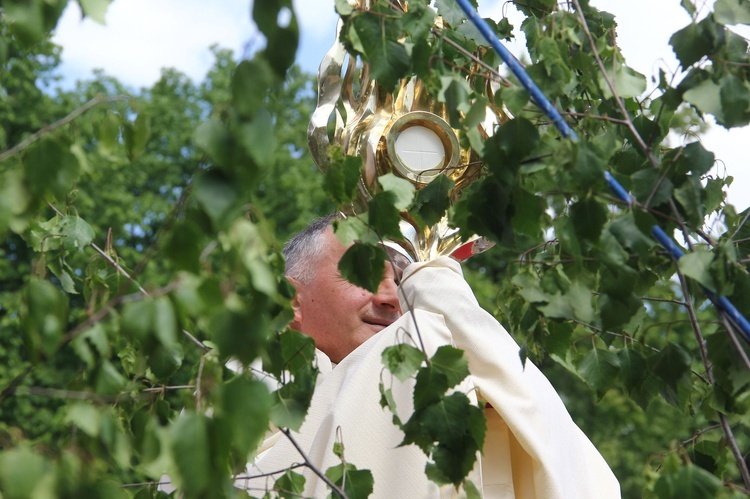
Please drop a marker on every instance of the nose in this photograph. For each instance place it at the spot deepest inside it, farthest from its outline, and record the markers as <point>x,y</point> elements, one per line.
<point>387,295</point>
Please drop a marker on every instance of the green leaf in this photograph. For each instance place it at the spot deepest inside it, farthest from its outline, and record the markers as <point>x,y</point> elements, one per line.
<point>633,368</point>
<point>695,41</point>
<point>649,185</point>
<point>671,365</point>
<point>515,98</point>
<point>291,402</point>
<point>136,136</point>
<point>44,316</point>
<point>513,141</point>
<point>77,233</point>
<point>599,369</point>
<point>290,351</point>
<point>617,309</point>
<point>402,360</point>
<point>363,266</point>
<point>690,482</point>
<point>21,470</point>
<point>109,381</point>
<point>451,11</point>
<point>60,271</point>
<point>86,417</point>
<point>165,322</point>
<point>281,40</point>
<point>454,92</point>
<point>258,138</point>
<point>451,362</point>
<point>250,84</point>
<point>689,6</point>
<point>291,485</point>
<point>418,21</point>
<point>354,229</point>
<point>402,189</point>
<point>240,333</point>
<point>95,9</point>
<point>588,217</point>
<point>732,12</point>
<point>109,131</point>
<point>383,216</point>
<point>245,408</point>
<point>589,164</point>
<point>218,196</point>
<point>96,337</point>
<point>735,101</point>
<point>529,212</point>
<point>459,429</point>
<point>694,158</point>
<point>355,483</point>
<point>429,389</point>
<point>343,7</point>
<point>628,83</point>
<point>342,178</point>
<point>51,169</point>
<point>212,138</point>
<point>379,35</point>
<point>629,235</point>
<point>697,265</point>
<point>432,201</point>
<point>191,453</point>
<point>689,195</point>
<point>137,319</point>
<point>575,303</point>
<point>706,96</point>
<point>566,237</point>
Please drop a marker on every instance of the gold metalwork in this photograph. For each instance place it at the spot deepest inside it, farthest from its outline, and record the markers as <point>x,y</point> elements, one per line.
<point>363,119</point>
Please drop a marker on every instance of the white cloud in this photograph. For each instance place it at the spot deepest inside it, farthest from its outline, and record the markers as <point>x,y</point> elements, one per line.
<point>142,36</point>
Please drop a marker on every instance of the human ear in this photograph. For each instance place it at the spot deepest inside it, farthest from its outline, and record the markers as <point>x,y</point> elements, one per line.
<point>296,322</point>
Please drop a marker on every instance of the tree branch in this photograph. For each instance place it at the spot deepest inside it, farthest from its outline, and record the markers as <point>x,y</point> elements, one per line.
<point>99,99</point>
<point>740,460</point>
<point>321,475</point>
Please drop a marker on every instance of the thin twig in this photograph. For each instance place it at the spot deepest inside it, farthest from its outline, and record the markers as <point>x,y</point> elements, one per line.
<point>196,341</point>
<point>741,464</point>
<point>99,99</point>
<point>730,329</point>
<point>620,104</point>
<point>698,434</point>
<point>13,385</point>
<point>104,255</point>
<point>321,475</point>
<point>64,394</point>
<point>270,473</point>
<point>117,267</point>
<point>198,391</point>
<point>167,387</point>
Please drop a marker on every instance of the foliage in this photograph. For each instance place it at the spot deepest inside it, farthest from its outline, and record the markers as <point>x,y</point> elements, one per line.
<point>140,252</point>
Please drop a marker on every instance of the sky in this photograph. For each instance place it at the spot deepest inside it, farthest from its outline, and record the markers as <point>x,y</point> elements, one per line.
<point>142,36</point>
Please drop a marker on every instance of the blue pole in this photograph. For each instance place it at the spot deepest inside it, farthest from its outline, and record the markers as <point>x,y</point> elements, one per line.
<point>518,71</point>
<point>721,302</point>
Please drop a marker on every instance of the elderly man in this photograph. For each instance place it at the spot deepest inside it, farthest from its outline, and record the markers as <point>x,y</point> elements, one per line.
<point>532,447</point>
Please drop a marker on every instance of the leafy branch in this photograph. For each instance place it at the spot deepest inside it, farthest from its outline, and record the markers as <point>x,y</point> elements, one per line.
<point>47,129</point>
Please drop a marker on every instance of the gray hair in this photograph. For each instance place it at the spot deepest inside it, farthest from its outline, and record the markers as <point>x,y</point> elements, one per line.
<point>304,248</point>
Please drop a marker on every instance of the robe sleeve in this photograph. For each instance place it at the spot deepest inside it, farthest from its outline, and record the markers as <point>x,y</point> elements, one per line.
<point>550,456</point>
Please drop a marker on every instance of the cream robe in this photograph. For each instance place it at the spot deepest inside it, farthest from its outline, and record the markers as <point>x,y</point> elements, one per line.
<point>532,448</point>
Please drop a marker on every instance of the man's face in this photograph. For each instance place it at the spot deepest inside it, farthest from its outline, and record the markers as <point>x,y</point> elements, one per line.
<point>338,315</point>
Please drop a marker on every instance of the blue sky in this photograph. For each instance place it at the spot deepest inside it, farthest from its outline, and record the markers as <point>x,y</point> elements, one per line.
<point>142,36</point>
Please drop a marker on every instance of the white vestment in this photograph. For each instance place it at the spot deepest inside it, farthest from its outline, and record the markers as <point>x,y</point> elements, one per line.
<point>532,449</point>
